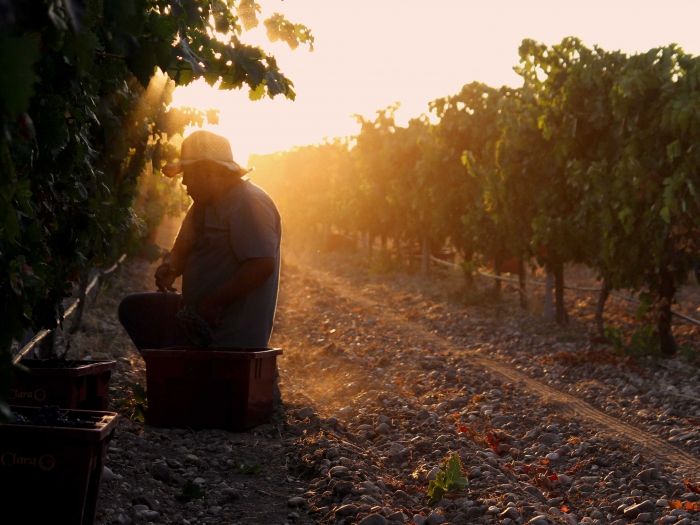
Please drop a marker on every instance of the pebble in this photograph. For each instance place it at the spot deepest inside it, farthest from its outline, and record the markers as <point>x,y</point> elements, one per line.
<point>382,428</point>
<point>510,512</point>
<point>534,491</point>
<point>648,474</point>
<point>418,519</point>
<point>231,493</point>
<point>332,421</point>
<point>296,501</point>
<point>374,519</point>
<point>548,438</point>
<point>433,473</point>
<point>435,519</point>
<point>635,510</point>
<point>150,514</point>
<point>346,510</point>
<point>538,520</point>
<point>108,475</point>
<point>215,510</point>
<point>161,472</point>
<point>305,412</point>
<point>338,470</point>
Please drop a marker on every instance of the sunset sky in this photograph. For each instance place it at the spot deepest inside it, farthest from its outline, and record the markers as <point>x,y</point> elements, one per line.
<point>369,54</point>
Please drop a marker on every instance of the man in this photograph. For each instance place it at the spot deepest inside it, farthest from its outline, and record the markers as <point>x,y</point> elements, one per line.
<point>228,253</point>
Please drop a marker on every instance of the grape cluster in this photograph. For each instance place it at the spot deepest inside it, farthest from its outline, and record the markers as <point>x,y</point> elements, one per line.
<point>195,326</point>
<point>59,362</point>
<point>51,416</point>
<point>52,362</point>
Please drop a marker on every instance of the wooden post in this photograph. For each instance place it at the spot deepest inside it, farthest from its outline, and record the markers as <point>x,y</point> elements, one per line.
<point>497,266</point>
<point>425,258</point>
<point>549,298</point>
<point>562,317</point>
<point>522,278</point>
<point>600,308</point>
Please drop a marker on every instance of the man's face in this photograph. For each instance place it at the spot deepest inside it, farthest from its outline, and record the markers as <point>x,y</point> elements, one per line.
<point>198,181</point>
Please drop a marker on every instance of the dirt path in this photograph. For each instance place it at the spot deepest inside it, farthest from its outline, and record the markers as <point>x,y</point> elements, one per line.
<point>669,454</point>
<point>380,386</point>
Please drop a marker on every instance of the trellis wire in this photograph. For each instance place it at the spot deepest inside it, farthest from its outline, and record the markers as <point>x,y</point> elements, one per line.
<point>578,288</point>
<point>43,333</point>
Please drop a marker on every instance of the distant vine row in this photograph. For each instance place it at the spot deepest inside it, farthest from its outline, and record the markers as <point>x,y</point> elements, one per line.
<point>593,160</point>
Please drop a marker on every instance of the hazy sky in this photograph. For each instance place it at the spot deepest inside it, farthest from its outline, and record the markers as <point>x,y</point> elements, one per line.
<point>369,54</point>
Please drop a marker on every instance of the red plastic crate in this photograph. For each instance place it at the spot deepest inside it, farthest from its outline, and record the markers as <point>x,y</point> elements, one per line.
<point>82,387</point>
<point>53,474</point>
<point>229,388</point>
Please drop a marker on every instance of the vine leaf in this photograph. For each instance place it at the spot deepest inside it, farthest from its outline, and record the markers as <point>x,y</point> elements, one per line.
<point>17,77</point>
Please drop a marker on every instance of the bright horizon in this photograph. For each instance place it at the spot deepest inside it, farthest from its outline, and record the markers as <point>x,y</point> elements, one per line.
<point>369,55</point>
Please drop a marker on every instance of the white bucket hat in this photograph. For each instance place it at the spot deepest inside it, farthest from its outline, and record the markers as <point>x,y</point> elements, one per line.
<point>204,145</point>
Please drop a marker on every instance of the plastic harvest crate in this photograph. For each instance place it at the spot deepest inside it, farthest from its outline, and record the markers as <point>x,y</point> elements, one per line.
<point>53,474</point>
<point>84,386</point>
<point>229,388</point>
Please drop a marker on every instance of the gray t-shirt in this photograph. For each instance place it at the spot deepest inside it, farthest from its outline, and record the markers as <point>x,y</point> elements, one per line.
<point>243,224</point>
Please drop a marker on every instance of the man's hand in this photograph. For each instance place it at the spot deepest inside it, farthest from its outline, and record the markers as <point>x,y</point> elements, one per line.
<point>210,309</point>
<point>165,277</point>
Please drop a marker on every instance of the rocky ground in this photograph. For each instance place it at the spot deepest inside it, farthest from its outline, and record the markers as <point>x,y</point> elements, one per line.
<point>384,377</point>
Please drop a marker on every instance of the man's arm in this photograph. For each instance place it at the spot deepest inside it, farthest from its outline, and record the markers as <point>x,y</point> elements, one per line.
<point>174,261</point>
<point>251,275</point>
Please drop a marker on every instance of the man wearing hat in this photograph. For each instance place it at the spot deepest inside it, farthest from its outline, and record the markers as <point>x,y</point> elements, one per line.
<point>228,253</point>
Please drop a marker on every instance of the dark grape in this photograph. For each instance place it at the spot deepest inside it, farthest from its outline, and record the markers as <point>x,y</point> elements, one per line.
<point>195,326</point>
<point>51,416</point>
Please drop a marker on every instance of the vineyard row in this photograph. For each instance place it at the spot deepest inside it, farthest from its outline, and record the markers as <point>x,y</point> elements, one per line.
<point>593,160</point>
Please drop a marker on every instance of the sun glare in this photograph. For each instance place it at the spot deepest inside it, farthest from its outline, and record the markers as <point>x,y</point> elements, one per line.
<point>369,55</point>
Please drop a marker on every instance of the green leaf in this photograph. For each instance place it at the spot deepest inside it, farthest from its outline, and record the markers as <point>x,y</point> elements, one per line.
<point>248,11</point>
<point>453,474</point>
<point>81,189</point>
<point>143,62</point>
<point>673,150</point>
<point>447,479</point>
<point>160,27</point>
<point>247,468</point>
<point>665,215</point>
<point>257,93</point>
<point>17,77</point>
<point>195,62</point>
<point>52,130</point>
<point>191,491</point>
<point>139,392</point>
<point>627,219</point>
<point>80,50</point>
